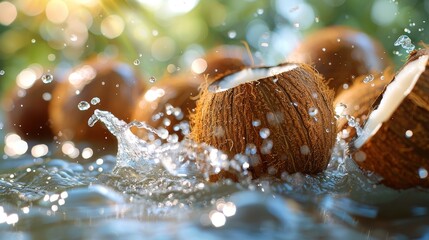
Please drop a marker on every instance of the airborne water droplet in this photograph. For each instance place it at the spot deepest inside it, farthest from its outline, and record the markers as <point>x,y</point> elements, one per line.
<point>47,78</point>
<point>83,106</point>
<point>264,133</point>
<point>2,72</point>
<point>152,79</point>
<point>423,173</point>
<point>339,109</point>
<point>256,123</point>
<point>313,111</point>
<point>95,101</point>
<point>405,42</point>
<point>73,38</point>
<point>368,78</point>
<point>232,34</point>
<point>408,134</point>
<point>137,62</point>
<point>250,149</point>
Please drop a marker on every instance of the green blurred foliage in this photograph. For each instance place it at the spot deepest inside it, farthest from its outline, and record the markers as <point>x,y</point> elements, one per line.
<point>205,26</point>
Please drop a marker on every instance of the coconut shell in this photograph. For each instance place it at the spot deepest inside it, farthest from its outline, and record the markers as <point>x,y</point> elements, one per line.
<point>27,115</point>
<point>178,91</point>
<point>340,54</point>
<point>389,153</point>
<point>113,82</point>
<point>224,120</point>
<point>359,99</point>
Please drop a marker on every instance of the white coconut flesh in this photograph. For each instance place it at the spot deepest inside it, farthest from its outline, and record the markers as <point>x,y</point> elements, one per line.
<point>395,93</point>
<point>248,75</point>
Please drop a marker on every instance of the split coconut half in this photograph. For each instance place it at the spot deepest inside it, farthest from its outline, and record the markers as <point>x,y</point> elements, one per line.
<point>280,117</point>
<point>395,139</point>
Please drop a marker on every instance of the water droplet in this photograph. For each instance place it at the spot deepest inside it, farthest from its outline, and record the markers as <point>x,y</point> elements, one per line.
<point>264,44</point>
<point>296,25</point>
<point>423,173</point>
<point>250,149</point>
<point>260,11</point>
<point>166,122</point>
<point>408,134</point>
<point>304,149</point>
<point>360,156</point>
<point>266,146</point>
<point>407,30</point>
<point>33,40</point>
<point>316,19</point>
<point>137,62</point>
<point>83,106</point>
<point>256,123</point>
<point>47,96</point>
<point>232,34</point>
<point>405,42</point>
<point>313,111</point>
<point>73,38</point>
<point>339,109</point>
<point>95,100</point>
<point>264,133</point>
<point>324,49</point>
<point>2,72</point>
<point>368,78</point>
<point>152,79</point>
<point>47,78</point>
<point>163,133</point>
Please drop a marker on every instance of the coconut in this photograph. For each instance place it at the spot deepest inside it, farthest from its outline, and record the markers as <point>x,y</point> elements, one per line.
<point>27,110</point>
<point>340,54</point>
<point>114,83</point>
<point>226,59</point>
<point>354,104</point>
<point>167,104</point>
<point>281,117</point>
<point>395,139</point>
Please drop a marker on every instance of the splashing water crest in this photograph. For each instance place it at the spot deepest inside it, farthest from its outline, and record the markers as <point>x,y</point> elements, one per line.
<point>405,42</point>
<point>182,159</point>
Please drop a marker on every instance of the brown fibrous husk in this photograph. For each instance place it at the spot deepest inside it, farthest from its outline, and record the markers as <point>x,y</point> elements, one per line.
<point>389,153</point>
<point>224,120</point>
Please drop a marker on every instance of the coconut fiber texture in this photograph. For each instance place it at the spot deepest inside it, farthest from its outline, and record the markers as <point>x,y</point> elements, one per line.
<point>297,142</point>
<point>389,153</point>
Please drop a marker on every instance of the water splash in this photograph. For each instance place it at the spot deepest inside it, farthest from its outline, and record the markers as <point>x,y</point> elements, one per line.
<point>405,42</point>
<point>181,159</point>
